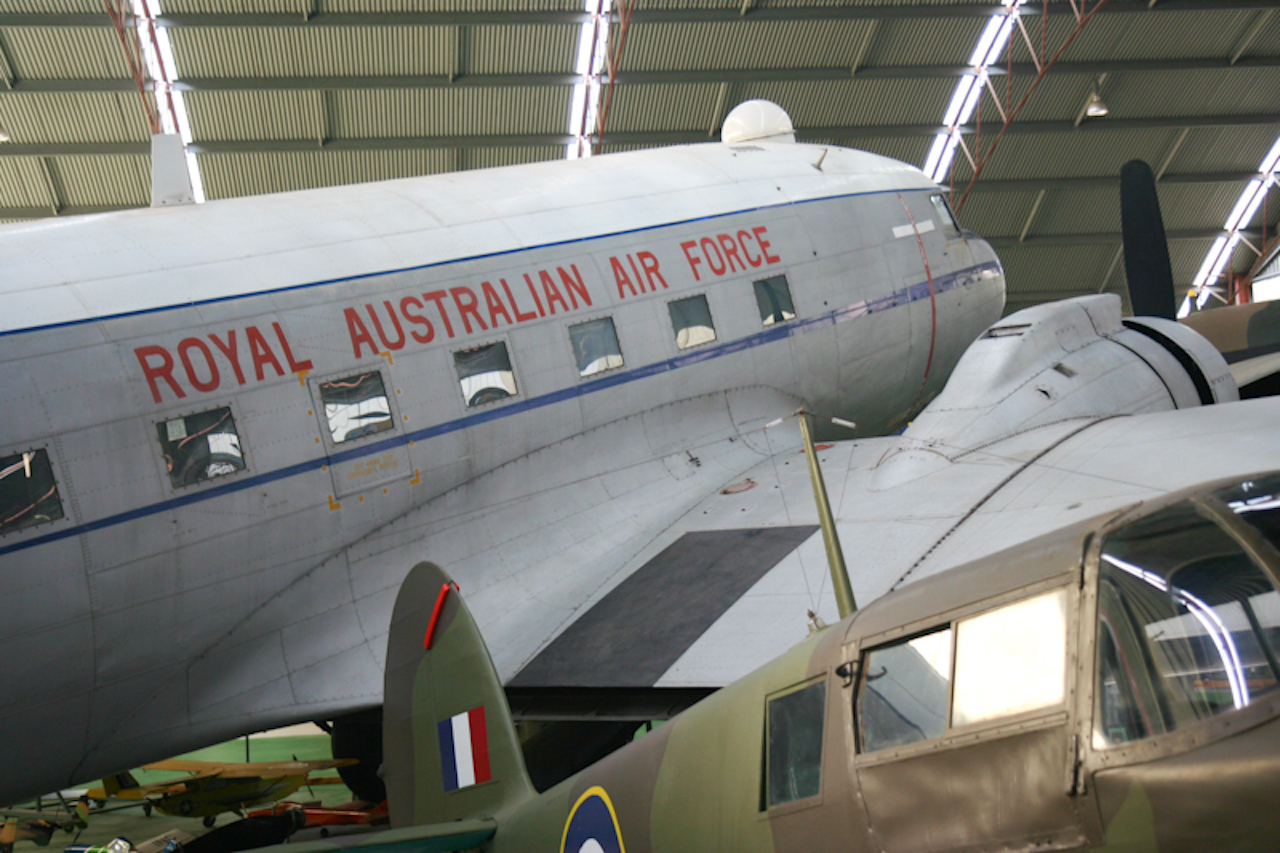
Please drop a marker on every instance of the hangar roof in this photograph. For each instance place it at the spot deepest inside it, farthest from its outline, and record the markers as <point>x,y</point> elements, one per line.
<point>288,94</point>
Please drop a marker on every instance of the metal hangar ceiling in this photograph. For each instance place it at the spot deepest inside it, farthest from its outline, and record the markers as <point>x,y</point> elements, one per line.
<point>276,95</point>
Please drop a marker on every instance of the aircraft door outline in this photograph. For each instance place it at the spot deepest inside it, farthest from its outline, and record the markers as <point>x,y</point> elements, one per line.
<point>346,402</point>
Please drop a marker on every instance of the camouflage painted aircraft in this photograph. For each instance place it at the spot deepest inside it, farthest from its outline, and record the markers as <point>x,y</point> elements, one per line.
<point>1062,695</point>
<point>1073,640</point>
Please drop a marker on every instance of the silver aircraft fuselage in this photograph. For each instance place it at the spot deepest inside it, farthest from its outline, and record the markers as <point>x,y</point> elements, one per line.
<point>339,357</point>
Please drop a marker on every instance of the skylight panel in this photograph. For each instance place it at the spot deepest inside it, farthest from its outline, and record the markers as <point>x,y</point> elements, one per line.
<point>157,52</point>
<point>992,42</point>
<point>1246,207</point>
<point>593,45</point>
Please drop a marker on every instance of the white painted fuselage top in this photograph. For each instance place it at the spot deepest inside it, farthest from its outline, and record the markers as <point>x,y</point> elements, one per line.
<point>74,269</point>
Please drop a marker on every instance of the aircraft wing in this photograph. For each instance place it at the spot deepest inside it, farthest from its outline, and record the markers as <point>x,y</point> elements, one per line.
<point>189,765</point>
<point>245,770</point>
<point>647,524</point>
<point>677,548</point>
<point>272,769</point>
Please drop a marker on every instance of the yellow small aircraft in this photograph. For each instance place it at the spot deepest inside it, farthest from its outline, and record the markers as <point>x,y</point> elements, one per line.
<point>215,787</point>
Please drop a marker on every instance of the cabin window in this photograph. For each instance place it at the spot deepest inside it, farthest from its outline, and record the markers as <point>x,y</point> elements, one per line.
<point>1006,661</point>
<point>945,217</point>
<point>595,346</point>
<point>794,761</point>
<point>485,374</point>
<point>28,493</point>
<point>200,447</point>
<point>1188,620</point>
<point>355,406</point>
<point>691,321</point>
<point>1011,660</point>
<point>774,300</point>
<point>904,692</point>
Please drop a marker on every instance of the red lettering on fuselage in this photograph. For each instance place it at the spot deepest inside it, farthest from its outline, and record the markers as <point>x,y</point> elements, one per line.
<point>203,367</point>
<point>574,285</point>
<point>295,366</point>
<point>495,305</point>
<point>649,263</point>
<point>644,276</point>
<point>533,291</point>
<point>724,254</point>
<point>163,370</point>
<point>374,328</point>
<point>398,341</point>
<point>229,350</point>
<point>418,320</point>
<point>551,292</point>
<point>437,296</point>
<point>358,332</point>
<point>468,307</point>
<point>261,353</point>
<point>185,346</point>
<point>515,306</point>
<point>623,280</point>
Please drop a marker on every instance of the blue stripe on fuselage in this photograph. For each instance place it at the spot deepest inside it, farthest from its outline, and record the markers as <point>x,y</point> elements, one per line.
<point>450,262</point>
<point>905,296</point>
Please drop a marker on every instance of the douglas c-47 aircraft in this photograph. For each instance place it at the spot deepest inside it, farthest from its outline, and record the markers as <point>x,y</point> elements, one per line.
<point>231,429</point>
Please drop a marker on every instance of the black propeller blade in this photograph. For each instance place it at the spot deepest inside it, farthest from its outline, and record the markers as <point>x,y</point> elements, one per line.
<point>1146,252</point>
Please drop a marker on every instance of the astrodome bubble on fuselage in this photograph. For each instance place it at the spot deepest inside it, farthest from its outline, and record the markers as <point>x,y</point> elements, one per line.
<point>757,120</point>
<point>762,122</point>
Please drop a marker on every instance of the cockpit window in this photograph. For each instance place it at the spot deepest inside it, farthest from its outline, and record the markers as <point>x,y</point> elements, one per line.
<point>1188,619</point>
<point>795,744</point>
<point>945,217</point>
<point>1257,503</point>
<point>200,447</point>
<point>1007,661</point>
<point>355,406</point>
<point>904,693</point>
<point>1011,660</point>
<point>28,493</point>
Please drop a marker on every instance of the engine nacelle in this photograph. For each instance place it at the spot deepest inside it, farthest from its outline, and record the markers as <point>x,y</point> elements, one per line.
<point>1199,361</point>
<point>1060,363</point>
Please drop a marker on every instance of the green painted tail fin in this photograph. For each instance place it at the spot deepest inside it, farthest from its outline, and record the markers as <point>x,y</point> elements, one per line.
<point>450,749</point>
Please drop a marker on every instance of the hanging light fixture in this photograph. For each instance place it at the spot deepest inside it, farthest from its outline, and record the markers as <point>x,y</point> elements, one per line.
<point>1095,107</point>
